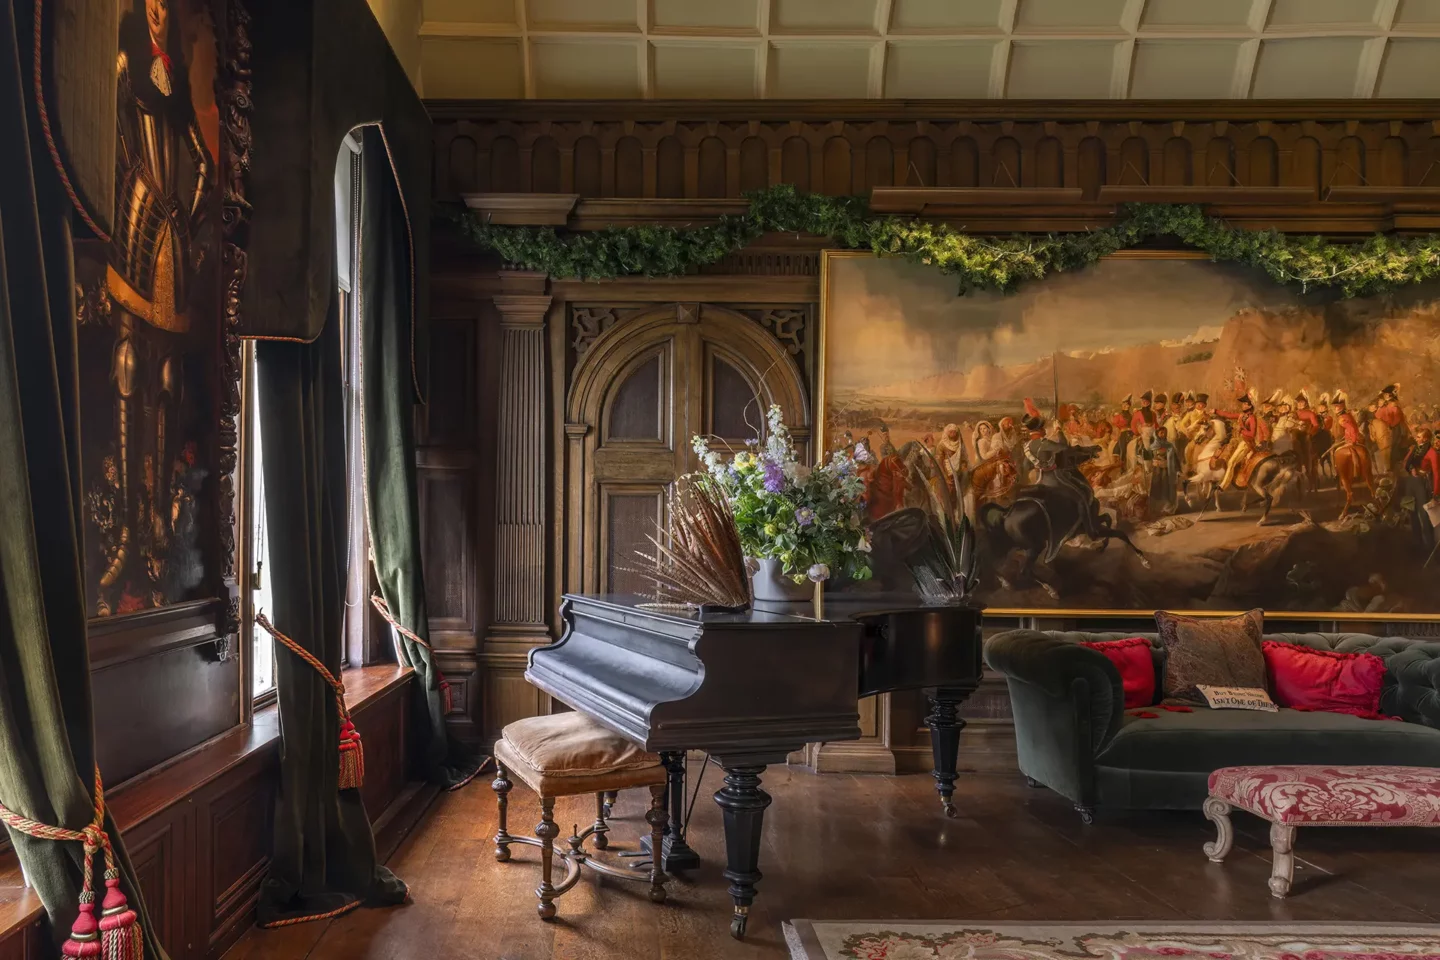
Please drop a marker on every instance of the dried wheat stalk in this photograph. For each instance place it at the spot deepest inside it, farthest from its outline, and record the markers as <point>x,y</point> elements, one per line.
<point>697,559</point>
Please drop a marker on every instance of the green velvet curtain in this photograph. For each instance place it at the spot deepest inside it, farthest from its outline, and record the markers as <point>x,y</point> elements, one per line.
<point>391,493</point>
<point>47,750</point>
<point>324,853</point>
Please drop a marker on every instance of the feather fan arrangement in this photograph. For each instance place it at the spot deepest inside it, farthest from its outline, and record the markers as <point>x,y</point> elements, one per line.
<point>697,559</point>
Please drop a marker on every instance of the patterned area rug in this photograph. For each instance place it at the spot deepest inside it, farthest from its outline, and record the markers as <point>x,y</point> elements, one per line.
<point>961,940</point>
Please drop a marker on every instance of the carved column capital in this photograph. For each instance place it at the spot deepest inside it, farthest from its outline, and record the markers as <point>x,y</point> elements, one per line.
<point>523,310</point>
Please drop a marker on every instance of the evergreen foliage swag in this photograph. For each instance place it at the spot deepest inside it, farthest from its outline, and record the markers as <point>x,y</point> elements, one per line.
<point>1375,265</point>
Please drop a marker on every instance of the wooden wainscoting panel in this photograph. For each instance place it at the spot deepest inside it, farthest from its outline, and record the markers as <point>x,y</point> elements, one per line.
<point>25,943</point>
<point>192,698</point>
<point>383,728</point>
<point>464,675</point>
<point>235,825</point>
<point>507,696</point>
<point>448,546</point>
<point>160,851</point>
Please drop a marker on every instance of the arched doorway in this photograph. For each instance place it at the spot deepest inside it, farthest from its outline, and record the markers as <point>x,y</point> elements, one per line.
<point>643,390</point>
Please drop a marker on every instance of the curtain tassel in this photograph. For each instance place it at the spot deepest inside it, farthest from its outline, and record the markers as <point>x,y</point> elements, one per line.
<point>352,756</point>
<point>120,934</point>
<point>352,751</point>
<point>117,935</point>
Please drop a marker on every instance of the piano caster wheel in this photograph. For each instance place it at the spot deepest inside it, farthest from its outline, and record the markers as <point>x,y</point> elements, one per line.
<point>1034,784</point>
<point>949,806</point>
<point>737,926</point>
<point>1087,814</point>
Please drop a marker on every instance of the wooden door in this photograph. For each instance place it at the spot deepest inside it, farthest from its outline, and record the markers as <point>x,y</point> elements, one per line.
<point>644,389</point>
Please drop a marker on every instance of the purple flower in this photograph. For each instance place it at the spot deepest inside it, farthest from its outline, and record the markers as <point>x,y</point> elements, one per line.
<point>804,516</point>
<point>774,475</point>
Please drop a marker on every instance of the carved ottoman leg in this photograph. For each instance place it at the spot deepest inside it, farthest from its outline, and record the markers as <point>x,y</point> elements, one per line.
<point>1219,813</point>
<point>547,832</point>
<point>601,828</point>
<point>1282,868</point>
<point>501,786</point>
<point>657,818</point>
<point>611,796</point>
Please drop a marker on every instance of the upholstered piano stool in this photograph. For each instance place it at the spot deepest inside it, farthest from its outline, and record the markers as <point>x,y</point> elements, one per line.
<point>565,755</point>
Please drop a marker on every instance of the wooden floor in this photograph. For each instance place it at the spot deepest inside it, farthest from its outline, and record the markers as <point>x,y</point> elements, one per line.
<point>859,847</point>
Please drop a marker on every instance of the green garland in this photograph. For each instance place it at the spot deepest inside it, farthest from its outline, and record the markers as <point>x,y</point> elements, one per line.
<point>1378,264</point>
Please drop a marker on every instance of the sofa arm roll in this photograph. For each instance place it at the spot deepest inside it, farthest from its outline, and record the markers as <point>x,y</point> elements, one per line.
<point>1412,684</point>
<point>1054,666</point>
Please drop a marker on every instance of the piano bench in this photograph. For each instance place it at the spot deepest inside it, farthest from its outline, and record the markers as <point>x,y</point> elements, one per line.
<point>566,755</point>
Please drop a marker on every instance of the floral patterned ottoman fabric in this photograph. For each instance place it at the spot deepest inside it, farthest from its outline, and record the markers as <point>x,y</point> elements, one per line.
<point>1377,795</point>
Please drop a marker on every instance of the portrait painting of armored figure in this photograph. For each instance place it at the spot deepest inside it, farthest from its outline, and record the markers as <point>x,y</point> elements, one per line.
<point>1155,431</point>
<point>150,318</point>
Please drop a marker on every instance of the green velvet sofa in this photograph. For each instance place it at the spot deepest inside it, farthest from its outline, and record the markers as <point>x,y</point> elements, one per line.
<point>1074,736</point>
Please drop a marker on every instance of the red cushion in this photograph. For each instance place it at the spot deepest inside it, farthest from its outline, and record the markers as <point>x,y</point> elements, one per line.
<point>1136,664</point>
<point>1306,679</point>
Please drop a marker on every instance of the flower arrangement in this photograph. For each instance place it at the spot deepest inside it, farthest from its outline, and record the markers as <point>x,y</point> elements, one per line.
<point>807,519</point>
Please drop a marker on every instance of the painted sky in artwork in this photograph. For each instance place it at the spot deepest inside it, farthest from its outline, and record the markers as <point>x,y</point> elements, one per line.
<point>891,321</point>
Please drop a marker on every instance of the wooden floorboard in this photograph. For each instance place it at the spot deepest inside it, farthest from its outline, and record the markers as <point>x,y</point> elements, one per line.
<point>841,846</point>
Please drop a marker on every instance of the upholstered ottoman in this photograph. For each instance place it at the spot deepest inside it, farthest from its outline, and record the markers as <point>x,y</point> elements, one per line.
<point>565,755</point>
<point>1318,796</point>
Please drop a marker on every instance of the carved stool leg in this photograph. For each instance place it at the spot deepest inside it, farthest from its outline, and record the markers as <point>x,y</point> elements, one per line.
<point>657,818</point>
<point>1218,811</point>
<point>547,832</point>
<point>1282,868</point>
<point>501,786</point>
<point>601,828</point>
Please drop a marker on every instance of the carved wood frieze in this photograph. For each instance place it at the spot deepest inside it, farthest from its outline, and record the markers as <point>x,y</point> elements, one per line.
<point>232,95</point>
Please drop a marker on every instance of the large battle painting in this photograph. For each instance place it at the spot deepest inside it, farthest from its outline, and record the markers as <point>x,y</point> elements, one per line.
<point>1152,432</point>
<point>150,317</point>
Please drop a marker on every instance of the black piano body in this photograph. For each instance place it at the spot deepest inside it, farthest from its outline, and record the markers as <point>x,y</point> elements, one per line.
<point>750,688</point>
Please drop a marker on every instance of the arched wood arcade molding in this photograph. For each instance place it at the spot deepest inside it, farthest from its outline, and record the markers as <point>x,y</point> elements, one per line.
<point>616,476</point>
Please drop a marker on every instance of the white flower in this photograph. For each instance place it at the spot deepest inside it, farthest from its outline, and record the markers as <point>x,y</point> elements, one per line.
<point>818,572</point>
<point>712,459</point>
<point>861,454</point>
<point>864,545</point>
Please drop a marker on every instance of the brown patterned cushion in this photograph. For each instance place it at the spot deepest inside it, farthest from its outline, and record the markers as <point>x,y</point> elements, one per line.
<point>1220,652</point>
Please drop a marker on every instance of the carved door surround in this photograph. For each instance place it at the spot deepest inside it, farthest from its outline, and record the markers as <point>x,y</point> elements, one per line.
<point>643,388</point>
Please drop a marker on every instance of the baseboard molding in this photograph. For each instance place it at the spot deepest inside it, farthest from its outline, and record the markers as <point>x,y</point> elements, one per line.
<point>986,746</point>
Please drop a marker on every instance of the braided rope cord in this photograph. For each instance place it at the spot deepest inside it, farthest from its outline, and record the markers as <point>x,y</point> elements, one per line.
<point>310,658</point>
<point>93,837</point>
<point>383,608</point>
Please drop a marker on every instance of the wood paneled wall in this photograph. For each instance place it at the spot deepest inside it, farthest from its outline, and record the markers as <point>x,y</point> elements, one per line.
<point>692,157</point>
<point>661,161</point>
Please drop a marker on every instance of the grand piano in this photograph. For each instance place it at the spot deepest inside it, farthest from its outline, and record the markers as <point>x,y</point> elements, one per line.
<point>749,688</point>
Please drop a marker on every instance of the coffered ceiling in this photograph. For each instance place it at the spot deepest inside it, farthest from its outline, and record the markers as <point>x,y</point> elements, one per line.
<point>913,49</point>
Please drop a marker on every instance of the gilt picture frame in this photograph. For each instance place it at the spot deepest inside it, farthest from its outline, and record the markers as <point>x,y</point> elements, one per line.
<point>940,389</point>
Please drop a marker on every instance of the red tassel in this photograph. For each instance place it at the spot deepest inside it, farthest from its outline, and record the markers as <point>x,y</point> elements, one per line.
<point>120,935</point>
<point>352,757</point>
<point>84,940</point>
<point>447,700</point>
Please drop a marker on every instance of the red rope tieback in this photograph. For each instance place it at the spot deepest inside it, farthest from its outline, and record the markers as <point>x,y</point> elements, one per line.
<point>117,935</point>
<point>383,608</point>
<point>352,751</point>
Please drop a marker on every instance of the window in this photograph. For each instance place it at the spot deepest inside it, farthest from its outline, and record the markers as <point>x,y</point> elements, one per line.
<point>361,640</point>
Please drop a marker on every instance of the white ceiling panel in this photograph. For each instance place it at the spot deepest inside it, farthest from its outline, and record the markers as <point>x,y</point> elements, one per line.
<point>586,69</point>
<point>957,69</point>
<point>945,16</point>
<point>702,16</point>
<point>1418,13</point>
<point>1184,69</point>
<point>806,71</point>
<point>685,71</point>
<point>823,16</point>
<point>1411,69</point>
<point>916,49</point>
<point>1060,69</point>
<point>1312,67</point>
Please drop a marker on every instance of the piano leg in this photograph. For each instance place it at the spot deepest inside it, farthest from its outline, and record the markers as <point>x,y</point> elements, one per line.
<point>945,727</point>
<point>742,804</point>
<point>676,853</point>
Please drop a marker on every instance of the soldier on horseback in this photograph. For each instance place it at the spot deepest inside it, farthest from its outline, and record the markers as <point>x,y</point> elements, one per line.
<point>1062,473</point>
<point>1251,434</point>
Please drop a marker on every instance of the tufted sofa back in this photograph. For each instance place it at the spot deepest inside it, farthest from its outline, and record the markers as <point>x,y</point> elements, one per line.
<point>1412,667</point>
